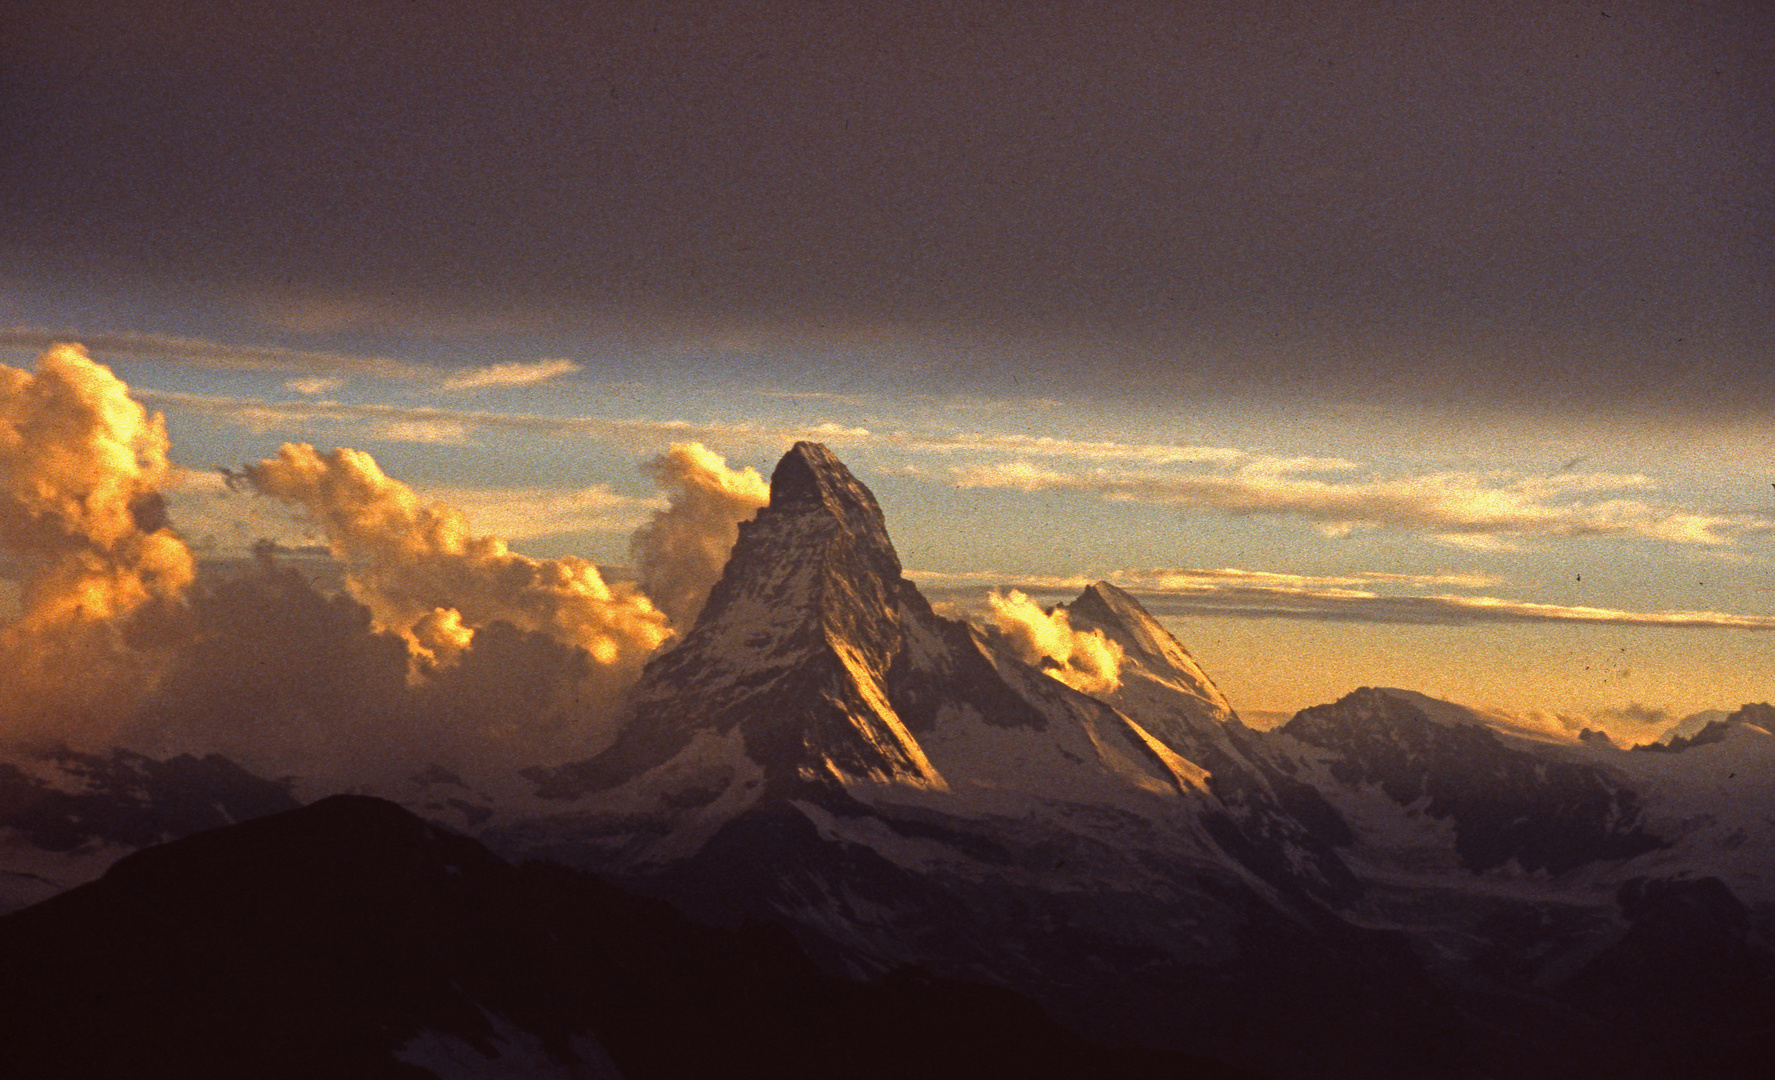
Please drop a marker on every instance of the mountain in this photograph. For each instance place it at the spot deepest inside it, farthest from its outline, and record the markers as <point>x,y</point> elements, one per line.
<point>839,784</point>
<point>65,816</point>
<point>816,671</point>
<point>350,938</point>
<point>1760,716</point>
<point>1504,801</point>
<point>1416,892</point>
<point>825,751</point>
<point>1689,725</point>
<point>1624,894</point>
<point>1282,824</point>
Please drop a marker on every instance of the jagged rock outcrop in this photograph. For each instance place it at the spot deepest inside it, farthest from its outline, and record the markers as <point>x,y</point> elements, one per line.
<point>1274,821</point>
<point>1760,715</point>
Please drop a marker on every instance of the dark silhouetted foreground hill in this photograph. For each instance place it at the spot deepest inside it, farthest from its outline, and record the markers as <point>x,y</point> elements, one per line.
<point>351,939</point>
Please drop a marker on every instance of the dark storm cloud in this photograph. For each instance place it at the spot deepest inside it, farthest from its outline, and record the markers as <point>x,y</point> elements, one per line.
<point>1423,201</point>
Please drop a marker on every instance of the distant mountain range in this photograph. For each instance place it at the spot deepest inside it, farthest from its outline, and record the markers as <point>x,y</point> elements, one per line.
<point>944,828</point>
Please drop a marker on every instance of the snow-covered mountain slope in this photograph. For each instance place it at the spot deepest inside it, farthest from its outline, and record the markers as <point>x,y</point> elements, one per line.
<point>1504,802</point>
<point>824,750</point>
<point>1453,797</point>
<point>67,816</point>
<point>817,671</point>
<point>1162,688</point>
<point>1529,870</point>
<point>1713,803</point>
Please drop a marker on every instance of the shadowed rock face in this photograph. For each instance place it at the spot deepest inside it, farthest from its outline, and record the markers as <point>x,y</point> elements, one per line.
<point>1505,803</point>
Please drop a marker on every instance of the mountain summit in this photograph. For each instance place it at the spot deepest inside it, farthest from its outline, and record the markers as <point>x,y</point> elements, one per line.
<point>815,662</point>
<point>784,674</point>
<point>824,750</point>
<point>811,479</point>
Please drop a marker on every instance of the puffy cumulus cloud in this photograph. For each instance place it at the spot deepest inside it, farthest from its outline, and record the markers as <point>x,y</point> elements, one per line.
<point>443,647</point>
<point>1447,505</point>
<point>680,553</point>
<point>83,518</point>
<point>1085,660</point>
<point>510,374</point>
<point>81,510</point>
<point>411,564</point>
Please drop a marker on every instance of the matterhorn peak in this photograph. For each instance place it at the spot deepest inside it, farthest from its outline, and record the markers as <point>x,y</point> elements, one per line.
<point>791,653</point>
<point>809,480</point>
<point>821,538</point>
<point>809,475</point>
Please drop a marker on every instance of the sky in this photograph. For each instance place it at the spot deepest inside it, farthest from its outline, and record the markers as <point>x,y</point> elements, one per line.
<point>1413,344</point>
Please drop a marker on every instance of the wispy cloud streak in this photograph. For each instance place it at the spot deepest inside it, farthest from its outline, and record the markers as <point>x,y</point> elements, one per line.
<point>217,356</point>
<point>1256,594</point>
<point>1450,505</point>
<point>510,374</point>
<point>1150,454</point>
<point>261,415</point>
<point>312,371</point>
